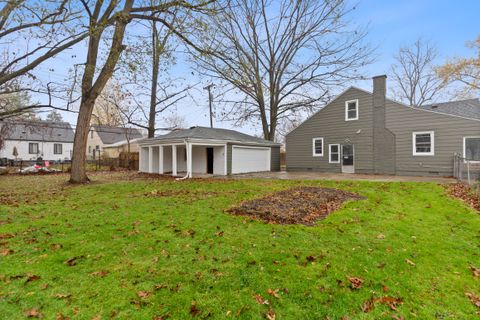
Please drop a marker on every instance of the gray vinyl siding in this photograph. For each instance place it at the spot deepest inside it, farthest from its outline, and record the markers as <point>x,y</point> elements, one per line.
<point>275,159</point>
<point>448,139</point>
<point>329,124</point>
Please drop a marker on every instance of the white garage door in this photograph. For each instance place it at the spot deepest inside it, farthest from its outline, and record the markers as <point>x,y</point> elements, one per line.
<point>250,159</point>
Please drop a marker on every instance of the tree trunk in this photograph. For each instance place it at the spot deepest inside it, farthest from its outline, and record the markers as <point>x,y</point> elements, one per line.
<point>153,93</point>
<point>78,173</point>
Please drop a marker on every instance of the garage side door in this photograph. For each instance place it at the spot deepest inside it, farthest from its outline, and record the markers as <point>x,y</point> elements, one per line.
<point>250,159</point>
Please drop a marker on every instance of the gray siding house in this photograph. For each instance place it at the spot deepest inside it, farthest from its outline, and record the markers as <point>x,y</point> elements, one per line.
<point>363,132</point>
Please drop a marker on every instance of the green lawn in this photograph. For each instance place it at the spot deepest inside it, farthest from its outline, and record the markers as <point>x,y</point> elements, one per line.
<point>137,252</point>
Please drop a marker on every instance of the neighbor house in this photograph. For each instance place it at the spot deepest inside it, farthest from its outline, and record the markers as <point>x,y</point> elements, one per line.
<point>363,132</point>
<point>102,135</point>
<point>201,150</point>
<point>33,139</point>
<point>115,149</point>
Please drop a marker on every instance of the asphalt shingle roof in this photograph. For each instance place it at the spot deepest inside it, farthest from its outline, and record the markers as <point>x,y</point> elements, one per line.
<point>212,134</point>
<point>38,130</point>
<point>464,108</point>
<point>110,135</point>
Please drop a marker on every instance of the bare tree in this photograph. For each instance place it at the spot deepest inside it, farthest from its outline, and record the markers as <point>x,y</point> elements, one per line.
<point>32,32</point>
<point>463,70</point>
<point>413,74</point>
<point>118,14</point>
<point>280,57</point>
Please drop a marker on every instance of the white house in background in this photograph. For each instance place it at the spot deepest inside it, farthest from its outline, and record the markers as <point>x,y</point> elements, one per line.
<point>32,139</point>
<point>201,151</point>
<point>113,150</point>
<point>101,136</point>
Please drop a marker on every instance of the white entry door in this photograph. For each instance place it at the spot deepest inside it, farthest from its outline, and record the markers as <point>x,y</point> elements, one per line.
<point>348,158</point>
<point>250,159</point>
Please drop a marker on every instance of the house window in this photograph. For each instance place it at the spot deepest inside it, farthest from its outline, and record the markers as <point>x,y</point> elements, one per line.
<point>33,148</point>
<point>317,147</point>
<point>57,148</point>
<point>423,143</point>
<point>334,154</point>
<point>471,148</point>
<point>89,149</point>
<point>351,110</point>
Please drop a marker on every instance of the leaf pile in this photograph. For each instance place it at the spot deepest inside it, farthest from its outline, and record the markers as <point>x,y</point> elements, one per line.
<point>299,205</point>
<point>463,192</point>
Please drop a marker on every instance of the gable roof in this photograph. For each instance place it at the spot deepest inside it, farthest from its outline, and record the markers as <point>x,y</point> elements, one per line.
<point>110,135</point>
<point>464,108</point>
<point>50,131</point>
<point>205,133</point>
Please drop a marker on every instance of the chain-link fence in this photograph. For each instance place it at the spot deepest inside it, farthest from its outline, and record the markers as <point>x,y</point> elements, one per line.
<point>466,170</point>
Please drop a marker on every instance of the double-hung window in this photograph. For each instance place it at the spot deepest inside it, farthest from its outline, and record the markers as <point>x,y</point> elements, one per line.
<point>334,153</point>
<point>317,145</point>
<point>57,148</point>
<point>471,148</point>
<point>33,148</point>
<point>351,110</point>
<point>423,143</point>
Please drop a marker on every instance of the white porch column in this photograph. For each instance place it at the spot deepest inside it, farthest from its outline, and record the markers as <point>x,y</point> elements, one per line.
<point>150,159</point>
<point>174,160</point>
<point>160,160</point>
<point>189,160</point>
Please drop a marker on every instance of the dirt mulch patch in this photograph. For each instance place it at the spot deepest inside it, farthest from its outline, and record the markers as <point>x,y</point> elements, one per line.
<point>299,205</point>
<point>465,193</point>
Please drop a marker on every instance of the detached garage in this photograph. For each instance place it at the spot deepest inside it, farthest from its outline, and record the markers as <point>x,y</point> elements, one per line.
<point>201,151</point>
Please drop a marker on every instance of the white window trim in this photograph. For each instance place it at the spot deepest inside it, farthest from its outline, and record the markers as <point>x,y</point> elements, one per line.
<point>330,153</point>
<point>414,147</point>
<point>465,148</point>
<point>346,110</point>
<point>313,147</point>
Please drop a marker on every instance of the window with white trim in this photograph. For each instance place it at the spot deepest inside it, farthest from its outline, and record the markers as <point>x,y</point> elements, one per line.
<point>351,110</point>
<point>317,145</point>
<point>423,143</point>
<point>471,148</point>
<point>334,153</point>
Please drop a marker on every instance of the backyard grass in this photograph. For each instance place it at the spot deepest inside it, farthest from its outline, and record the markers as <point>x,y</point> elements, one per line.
<point>141,248</point>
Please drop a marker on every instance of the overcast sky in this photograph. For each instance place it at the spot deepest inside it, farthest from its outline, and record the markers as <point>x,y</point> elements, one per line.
<point>391,24</point>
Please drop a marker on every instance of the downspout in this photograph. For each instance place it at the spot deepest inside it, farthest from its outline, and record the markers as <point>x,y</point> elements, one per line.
<point>188,175</point>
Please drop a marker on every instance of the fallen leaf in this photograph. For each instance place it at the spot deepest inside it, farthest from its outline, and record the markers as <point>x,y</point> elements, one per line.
<point>475,271</point>
<point>6,252</point>
<point>31,277</point>
<point>273,293</point>
<point>260,299</point>
<point>72,261</point>
<point>356,283</point>
<point>390,301</point>
<point>143,294</point>
<point>32,313</point>
<point>56,246</point>
<point>6,235</point>
<point>410,262</point>
<point>194,311</point>
<point>270,315</point>
<point>159,286</point>
<point>310,258</point>
<point>100,274</point>
<point>473,298</point>
<point>381,236</point>
<point>62,296</point>
<point>368,306</point>
<point>386,289</point>
<point>60,316</point>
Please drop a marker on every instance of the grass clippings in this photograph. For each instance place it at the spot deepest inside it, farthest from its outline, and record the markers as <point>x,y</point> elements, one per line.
<point>300,205</point>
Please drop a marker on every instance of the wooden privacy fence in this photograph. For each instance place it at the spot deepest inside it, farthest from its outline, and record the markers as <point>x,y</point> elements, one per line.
<point>128,160</point>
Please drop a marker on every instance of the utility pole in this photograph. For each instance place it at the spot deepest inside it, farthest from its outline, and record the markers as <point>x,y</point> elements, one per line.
<point>210,98</point>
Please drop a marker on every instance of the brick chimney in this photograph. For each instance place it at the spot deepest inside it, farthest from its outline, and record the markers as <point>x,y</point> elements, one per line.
<point>383,139</point>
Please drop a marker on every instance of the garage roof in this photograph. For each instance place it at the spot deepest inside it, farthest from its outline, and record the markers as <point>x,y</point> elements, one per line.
<point>217,134</point>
